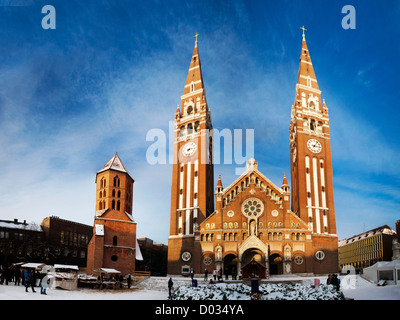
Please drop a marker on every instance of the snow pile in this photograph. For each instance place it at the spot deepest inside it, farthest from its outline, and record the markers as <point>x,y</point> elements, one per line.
<point>270,291</point>
<point>297,291</point>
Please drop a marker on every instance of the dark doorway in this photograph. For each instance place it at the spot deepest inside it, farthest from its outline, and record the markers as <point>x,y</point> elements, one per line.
<point>275,264</point>
<point>230,265</point>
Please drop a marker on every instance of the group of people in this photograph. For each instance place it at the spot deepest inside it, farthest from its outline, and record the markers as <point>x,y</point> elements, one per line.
<point>10,274</point>
<point>334,280</point>
<point>216,274</point>
<point>26,277</point>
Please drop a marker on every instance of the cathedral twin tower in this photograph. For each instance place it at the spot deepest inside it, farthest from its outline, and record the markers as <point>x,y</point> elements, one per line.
<point>253,227</point>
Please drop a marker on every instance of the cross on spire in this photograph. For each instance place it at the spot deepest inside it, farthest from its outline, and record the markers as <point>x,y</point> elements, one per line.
<point>304,35</point>
<point>195,44</point>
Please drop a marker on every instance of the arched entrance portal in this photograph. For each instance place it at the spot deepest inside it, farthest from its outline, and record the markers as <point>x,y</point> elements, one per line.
<point>230,265</point>
<point>254,257</point>
<point>275,264</point>
<point>253,254</point>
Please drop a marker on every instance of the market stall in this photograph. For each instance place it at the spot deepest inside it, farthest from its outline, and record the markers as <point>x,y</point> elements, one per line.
<point>107,278</point>
<point>65,276</point>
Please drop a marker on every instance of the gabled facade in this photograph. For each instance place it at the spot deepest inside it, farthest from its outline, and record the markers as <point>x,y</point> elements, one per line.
<point>253,221</point>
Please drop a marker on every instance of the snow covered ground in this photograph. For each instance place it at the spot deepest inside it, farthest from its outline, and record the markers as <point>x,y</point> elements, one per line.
<point>155,288</point>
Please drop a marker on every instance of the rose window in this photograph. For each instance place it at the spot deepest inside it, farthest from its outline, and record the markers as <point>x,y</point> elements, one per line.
<point>207,261</point>
<point>252,207</point>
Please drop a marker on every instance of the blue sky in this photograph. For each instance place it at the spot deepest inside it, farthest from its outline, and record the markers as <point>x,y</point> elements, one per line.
<point>113,70</point>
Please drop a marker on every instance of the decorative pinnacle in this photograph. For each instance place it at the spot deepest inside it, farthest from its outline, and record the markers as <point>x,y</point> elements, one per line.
<point>304,35</point>
<point>195,44</point>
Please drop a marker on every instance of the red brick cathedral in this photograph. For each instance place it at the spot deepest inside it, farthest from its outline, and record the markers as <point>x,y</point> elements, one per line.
<point>256,227</point>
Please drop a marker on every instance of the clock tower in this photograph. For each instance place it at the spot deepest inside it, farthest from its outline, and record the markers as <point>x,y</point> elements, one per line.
<point>311,163</point>
<point>192,197</point>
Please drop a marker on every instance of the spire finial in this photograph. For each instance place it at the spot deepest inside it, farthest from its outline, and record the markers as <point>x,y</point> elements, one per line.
<point>304,35</point>
<point>195,44</point>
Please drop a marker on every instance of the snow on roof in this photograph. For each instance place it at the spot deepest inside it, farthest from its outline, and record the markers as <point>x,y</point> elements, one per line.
<point>33,265</point>
<point>116,164</point>
<point>367,234</point>
<point>65,266</point>
<point>19,225</point>
<point>385,265</point>
<point>108,270</point>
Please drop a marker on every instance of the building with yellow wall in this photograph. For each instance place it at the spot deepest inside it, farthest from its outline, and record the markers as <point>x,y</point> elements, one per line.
<point>365,249</point>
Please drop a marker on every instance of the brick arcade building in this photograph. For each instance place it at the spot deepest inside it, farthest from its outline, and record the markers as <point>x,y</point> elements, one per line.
<point>254,219</point>
<point>113,244</point>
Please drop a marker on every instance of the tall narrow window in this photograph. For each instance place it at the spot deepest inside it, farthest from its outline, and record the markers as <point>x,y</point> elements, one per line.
<point>115,241</point>
<point>113,205</point>
<point>118,205</point>
<point>312,125</point>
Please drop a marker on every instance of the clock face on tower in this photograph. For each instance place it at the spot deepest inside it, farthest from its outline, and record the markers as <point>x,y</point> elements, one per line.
<point>314,146</point>
<point>189,149</point>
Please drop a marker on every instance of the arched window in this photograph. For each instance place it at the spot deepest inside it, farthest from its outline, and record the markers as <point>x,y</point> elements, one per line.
<point>100,205</point>
<point>113,193</point>
<point>115,241</point>
<point>119,194</point>
<point>182,131</point>
<point>113,205</point>
<point>312,125</point>
<point>118,205</point>
<point>190,128</point>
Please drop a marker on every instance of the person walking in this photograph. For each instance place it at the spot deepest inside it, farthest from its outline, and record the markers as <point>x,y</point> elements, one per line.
<point>206,275</point>
<point>45,283</point>
<point>28,280</point>
<point>129,281</point>
<point>6,274</point>
<point>191,273</point>
<point>215,274</point>
<point>17,276</point>
<point>219,275</point>
<point>170,285</point>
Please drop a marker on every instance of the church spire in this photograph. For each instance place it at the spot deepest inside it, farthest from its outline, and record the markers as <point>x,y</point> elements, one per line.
<point>306,75</point>
<point>285,185</point>
<point>194,85</point>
